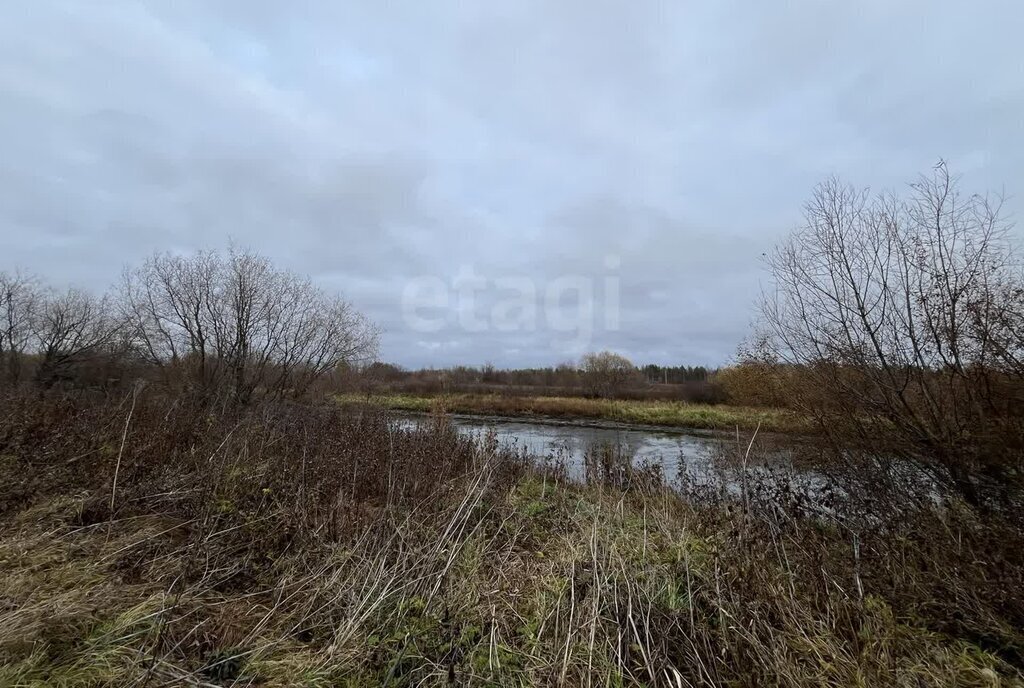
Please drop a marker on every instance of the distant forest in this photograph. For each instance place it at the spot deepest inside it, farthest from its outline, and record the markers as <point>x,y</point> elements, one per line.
<point>602,374</point>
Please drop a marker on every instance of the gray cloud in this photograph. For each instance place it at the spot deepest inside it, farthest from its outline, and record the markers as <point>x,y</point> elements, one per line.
<point>371,144</point>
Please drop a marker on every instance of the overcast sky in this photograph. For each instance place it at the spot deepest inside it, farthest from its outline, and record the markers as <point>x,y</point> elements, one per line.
<point>651,149</point>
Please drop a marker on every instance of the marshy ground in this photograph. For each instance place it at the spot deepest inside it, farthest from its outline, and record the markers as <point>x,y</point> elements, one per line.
<point>640,412</point>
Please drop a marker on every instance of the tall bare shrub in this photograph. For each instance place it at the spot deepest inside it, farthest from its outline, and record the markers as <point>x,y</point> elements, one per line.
<point>71,328</point>
<point>904,316</point>
<point>20,299</point>
<point>239,325</point>
<point>607,374</point>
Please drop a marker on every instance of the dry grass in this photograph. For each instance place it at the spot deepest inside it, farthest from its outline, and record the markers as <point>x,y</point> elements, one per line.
<point>304,547</point>
<point>640,412</point>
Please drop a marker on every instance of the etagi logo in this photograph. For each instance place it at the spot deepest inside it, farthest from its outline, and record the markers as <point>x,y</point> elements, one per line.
<point>565,305</point>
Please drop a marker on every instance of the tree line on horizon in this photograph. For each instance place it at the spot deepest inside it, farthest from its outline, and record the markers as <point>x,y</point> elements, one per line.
<point>596,374</point>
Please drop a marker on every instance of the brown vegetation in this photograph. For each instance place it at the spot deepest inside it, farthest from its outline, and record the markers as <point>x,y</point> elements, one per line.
<point>650,383</point>
<point>240,324</point>
<point>147,540</point>
<point>230,326</point>
<point>898,324</point>
<point>607,373</point>
<point>176,510</point>
<point>633,412</point>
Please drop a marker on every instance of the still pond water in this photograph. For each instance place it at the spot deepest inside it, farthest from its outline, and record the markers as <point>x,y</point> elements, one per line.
<point>692,452</point>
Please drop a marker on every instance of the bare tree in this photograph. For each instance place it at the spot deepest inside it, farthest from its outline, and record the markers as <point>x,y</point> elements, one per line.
<point>20,297</point>
<point>607,373</point>
<point>170,302</point>
<point>70,327</point>
<point>905,317</point>
<point>238,323</point>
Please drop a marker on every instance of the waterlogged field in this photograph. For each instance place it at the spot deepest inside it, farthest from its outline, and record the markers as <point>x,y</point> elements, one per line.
<point>663,413</point>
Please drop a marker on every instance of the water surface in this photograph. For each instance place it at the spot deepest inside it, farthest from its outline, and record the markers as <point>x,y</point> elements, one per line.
<point>693,451</point>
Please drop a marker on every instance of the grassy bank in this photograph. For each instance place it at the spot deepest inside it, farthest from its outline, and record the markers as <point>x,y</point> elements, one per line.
<point>536,584</point>
<point>667,413</point>
<point>299,546</point>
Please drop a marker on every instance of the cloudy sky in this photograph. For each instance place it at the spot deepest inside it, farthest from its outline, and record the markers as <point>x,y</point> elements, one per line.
<point>443,163</point>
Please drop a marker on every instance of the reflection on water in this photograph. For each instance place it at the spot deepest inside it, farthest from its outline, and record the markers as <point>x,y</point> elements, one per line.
<point>700,464</point>
<point>674,452</point>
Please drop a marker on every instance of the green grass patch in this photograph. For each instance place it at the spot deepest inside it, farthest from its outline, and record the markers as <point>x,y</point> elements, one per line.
<point>664,413</point>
